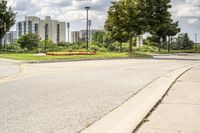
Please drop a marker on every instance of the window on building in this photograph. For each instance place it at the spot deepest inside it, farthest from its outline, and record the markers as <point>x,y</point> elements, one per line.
<point>24,27</point>
<point>20,29</point>
<point>36,28</point>
<point>58,32</point>
<point>29,27</point>
<point>46,32</point>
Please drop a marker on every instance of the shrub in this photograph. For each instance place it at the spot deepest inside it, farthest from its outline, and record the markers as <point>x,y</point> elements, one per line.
<point>14,47</point>
<point>29,41</point>
<point>146,48</point>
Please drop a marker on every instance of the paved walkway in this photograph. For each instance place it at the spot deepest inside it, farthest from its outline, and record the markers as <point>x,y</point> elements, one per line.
<point>180,110</point>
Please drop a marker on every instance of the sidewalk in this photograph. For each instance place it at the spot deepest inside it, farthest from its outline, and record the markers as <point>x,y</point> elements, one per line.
<point>179,112</point>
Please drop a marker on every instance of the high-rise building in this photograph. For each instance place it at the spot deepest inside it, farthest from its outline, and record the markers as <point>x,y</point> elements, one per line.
<point>10,37</point>
<point>75,35</point>
<point>45,29</point>
<point>78,36</point>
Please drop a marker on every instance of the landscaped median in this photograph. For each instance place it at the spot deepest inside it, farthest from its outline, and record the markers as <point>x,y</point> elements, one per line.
<point>65,56</point>
<point>70,53</point>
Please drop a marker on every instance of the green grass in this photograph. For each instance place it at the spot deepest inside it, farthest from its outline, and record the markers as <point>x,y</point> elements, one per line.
<point>32,57</point>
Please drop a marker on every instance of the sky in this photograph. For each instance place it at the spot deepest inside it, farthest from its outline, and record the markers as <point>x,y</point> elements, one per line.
<point>187,12</point>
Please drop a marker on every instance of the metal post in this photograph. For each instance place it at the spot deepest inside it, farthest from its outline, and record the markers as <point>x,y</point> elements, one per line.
<point>90,24</point>
<point>87,9</point>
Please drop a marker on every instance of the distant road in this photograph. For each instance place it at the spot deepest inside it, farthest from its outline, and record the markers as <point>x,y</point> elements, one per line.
<point>67,97</point>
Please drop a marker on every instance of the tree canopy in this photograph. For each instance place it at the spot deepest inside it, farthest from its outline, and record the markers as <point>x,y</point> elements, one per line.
<point>7,19</point>
<point>29,41</point>
<point>130,18</point>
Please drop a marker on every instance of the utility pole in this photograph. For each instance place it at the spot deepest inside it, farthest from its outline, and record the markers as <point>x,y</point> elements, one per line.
<point>68,27</point>
<point>87,10</point>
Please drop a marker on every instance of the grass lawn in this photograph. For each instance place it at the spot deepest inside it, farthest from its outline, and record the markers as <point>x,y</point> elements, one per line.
<point>32,57</point>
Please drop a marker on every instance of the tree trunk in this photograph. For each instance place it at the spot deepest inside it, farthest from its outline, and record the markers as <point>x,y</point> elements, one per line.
<point>159,47</point>
<point>121,49</point>
<point>169,44</point>
<point>1,45</point>
<point>130,45</point>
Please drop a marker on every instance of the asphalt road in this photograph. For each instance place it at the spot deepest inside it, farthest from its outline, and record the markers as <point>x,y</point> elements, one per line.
<point>8,68</point>
<point>67,97</point>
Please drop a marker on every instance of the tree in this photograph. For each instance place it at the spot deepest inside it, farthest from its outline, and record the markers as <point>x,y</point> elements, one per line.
<point>161,23</point>
<point>127,19</point>
<point>171,31</point>
<point>7,19</point>
<point>29,41</point>
<point>113,25</point>
<point>98,37</point>
<point>183,42</point>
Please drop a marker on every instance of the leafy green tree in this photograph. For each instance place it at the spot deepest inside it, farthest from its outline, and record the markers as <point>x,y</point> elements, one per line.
<point>98,37</point>
<point>29,41</point>
<point>7,19</point>
<point>183,42</point>
<point>161,23</point>
<point>126,20</point>
<point>113,24</point>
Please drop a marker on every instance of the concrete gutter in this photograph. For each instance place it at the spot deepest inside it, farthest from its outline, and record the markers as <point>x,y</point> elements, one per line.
<point>127,117</point>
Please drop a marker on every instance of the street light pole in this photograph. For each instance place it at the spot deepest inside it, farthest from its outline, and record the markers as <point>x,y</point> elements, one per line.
<point>90,24</point>
<point>87,9</point>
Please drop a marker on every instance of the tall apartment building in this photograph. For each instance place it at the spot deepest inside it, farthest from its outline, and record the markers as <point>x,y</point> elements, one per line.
<point>78,36</point>
<point>47,28</point>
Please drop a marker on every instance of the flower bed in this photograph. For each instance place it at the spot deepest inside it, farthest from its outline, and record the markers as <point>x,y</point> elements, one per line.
<point>69,53</point>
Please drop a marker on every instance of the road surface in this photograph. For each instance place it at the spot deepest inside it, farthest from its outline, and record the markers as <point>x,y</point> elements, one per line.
<point>8,68</point>
<point>67,97</point>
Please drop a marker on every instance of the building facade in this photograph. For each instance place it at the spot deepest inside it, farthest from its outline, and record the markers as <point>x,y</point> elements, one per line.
<point>45,29</point>
<point>77,36</point>
<point>10,37</point>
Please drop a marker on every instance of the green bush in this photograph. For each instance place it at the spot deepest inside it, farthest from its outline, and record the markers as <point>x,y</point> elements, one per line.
<point>146,48</point>
<point>50,46</point>
<point>14,48</point>
<point>29,41</point>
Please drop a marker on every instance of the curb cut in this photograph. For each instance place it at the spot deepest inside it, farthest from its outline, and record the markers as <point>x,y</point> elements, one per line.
<point>127,117</point>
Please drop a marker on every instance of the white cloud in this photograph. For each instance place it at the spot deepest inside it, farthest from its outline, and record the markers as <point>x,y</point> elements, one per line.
<point>192,20</point>
<point>186,11</point>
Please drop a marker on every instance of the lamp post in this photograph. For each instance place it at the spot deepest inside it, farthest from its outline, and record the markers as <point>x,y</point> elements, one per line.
<point>68,27</point>
<point>90,24</point>
<point>87,9</point>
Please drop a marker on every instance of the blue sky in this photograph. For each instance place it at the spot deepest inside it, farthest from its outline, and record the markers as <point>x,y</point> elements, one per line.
<point>187,12</point>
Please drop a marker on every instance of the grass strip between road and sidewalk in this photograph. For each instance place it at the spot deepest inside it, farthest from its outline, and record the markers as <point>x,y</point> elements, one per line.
<point>107,55</point>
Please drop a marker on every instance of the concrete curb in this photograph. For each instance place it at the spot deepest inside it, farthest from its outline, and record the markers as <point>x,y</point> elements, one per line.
<point>127,117</point>
<point>73,60</point>
<point>11,61</point>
